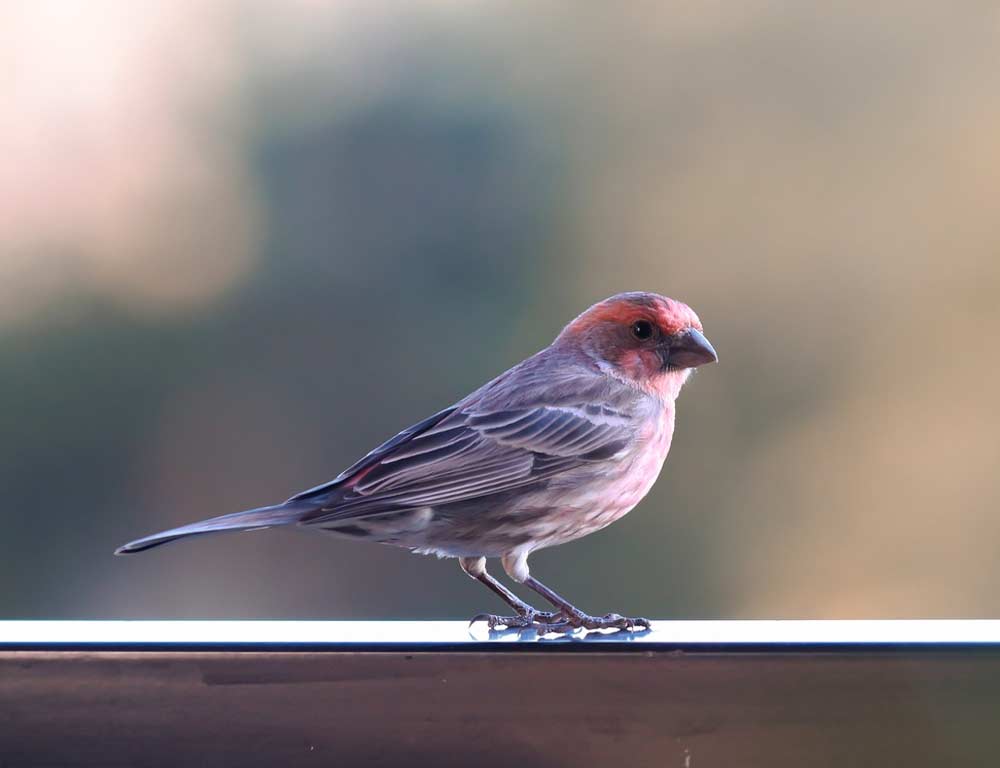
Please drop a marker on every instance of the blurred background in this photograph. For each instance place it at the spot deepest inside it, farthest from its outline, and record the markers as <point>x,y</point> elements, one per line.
<point>241,243</point>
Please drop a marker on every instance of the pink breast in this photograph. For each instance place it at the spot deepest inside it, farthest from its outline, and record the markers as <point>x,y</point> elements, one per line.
<point>611,500</point>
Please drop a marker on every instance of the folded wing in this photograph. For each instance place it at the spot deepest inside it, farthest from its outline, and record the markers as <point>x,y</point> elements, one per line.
<point>465,453</point>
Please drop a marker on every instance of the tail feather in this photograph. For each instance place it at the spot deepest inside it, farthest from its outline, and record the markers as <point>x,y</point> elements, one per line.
<point>264,517</point>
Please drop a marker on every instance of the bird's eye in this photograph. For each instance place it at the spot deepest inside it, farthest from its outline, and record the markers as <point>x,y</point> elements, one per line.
<point>642,329</point>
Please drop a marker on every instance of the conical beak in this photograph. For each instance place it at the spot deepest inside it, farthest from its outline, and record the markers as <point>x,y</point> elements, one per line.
<point>690,349</point>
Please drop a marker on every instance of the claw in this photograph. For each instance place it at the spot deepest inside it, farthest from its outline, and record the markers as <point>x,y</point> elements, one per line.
<point>562,622</point>
<point>609,621</point>
<point>539,621</point>
<point>481,617</point>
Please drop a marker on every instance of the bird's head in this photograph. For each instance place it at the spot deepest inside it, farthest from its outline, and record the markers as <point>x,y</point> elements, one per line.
<point>645,338</point>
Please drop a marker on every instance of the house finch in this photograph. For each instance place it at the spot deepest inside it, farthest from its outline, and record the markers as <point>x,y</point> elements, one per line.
<point>559,446</point>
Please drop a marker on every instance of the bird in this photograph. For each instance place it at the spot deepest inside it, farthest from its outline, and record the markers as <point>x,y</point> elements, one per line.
<point>557,447</point>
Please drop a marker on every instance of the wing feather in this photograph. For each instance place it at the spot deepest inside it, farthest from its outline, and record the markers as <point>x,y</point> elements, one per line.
<point>471,452</point>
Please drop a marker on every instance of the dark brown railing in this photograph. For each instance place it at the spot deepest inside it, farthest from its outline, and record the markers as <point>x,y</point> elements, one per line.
<point>688,694</point>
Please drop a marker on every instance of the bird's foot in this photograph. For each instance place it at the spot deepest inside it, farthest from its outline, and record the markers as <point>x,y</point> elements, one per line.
<point>539,621</point>
<point>580,620</point>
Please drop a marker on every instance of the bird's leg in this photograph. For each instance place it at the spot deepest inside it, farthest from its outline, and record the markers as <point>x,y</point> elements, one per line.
<point>516,565</point>
<point>577,618</point>
<point>526,616</point>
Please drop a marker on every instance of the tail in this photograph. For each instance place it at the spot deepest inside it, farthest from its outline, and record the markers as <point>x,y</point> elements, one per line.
<point>265,517</point>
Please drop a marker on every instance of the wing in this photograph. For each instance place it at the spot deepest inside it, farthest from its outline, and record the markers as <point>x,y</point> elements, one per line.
<point>373,457</point>
<point>474,451</point>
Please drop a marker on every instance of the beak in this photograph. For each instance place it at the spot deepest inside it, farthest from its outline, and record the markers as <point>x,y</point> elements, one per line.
<point>689,350</point>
